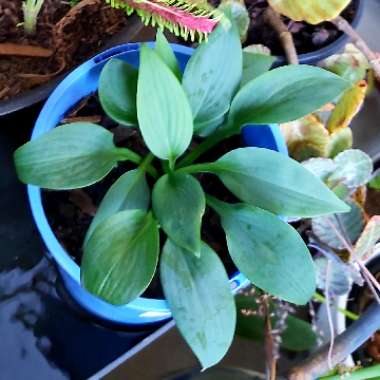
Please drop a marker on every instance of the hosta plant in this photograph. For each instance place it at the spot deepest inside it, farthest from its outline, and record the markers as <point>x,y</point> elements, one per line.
<point>170,108</point>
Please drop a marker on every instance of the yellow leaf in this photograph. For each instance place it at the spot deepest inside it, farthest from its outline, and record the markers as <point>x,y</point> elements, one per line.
<point>306,137</point>
<point>347,107</point>
<point>311,11</point>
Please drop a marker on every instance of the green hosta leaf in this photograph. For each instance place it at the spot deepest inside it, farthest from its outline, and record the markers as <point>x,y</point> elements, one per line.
<point>375,181</point>
<point>274,182</point>
<point>67,157</point>
<point>298,335</point>
<point>121,256</point>
<point>339,141</point>
<point>179,204</point>
<point>320,167</point>
<point>163,110</point>
<point>129,192</point>
<point>211,77</point>
<point>306,137</point>
<point>309,10</point>
<point>351,222</point>
<point>254,65</point>
<point>339,275</point>
<point>238,12</point>
<point>284,94</point>
<point>353,168</point>
<point>117,91</point>
<point>164,50</point>
<point>200,299</point>
<point>268,251</point>
<point>364,247</point>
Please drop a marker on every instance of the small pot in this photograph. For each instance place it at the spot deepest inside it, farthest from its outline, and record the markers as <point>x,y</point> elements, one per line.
<point>80,83</point>
<point>316,56</point>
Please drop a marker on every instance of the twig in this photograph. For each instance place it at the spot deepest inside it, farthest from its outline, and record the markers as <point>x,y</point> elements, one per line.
<point>344,26</point>
<point>9,48</point>
<point>346,343</point>
<point>329,317</point>
<point>274,20</point>
<point>271,361</point>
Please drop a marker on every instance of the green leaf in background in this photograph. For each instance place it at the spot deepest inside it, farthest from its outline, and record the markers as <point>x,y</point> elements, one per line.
<point>352,222</point>
<point>353,168</point>
<point>129,192</point>
<point>365,246</point>
<point>211,76</point>
<point>163,111</point>
<point>339,141</point>
<point>284,94</point>
<point>298,335</point>
<point>237,11</point>
<point>374,183</point>
<point>117,91</point>
<point>268,251</point>
<point>254,65</point>
<point>320,167</point>
<point>274,182</point>
<point>179,204</point>
<point>121,256</point>
<point>200,298</point>
<point>67,157</point>
<point>306,137</point>
<point>164,50</point>
<point>339,275</point>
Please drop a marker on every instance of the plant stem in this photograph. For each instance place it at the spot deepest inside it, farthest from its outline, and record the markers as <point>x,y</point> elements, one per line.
<point>346,343</point>
<point>349,314</point>
<point>272,18</point>
<point>125,154</point>
<point>344,26</point>
<point>196,168</point>
<point>31,9</point>
<point>207,144</point>
<point>360,374</point>
<point>271,361</point>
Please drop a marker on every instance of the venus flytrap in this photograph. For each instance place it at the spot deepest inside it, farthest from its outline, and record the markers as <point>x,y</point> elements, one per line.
<point>121,249</point>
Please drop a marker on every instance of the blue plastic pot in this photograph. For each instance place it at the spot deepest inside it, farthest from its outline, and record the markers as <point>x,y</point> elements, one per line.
<point>80,83</point>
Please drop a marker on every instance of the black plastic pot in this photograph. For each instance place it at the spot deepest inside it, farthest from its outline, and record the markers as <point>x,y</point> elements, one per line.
<point>34,96</point>
<point>320,54</point>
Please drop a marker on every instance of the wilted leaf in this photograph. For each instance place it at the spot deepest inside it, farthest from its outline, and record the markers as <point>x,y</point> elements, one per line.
<point>305,138</point>
<point>364,247</point>
<point>353,169</point>
<point>339,141</point>
<point>352,224</point>
<point>311,11</point>
<point>347,107</point>
<point>339,275</point>
<point>351,64</point>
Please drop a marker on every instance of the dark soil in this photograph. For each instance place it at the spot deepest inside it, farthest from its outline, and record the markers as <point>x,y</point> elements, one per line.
<point>72,34</point>
<point>70,212</point>
<point>307,38</point>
